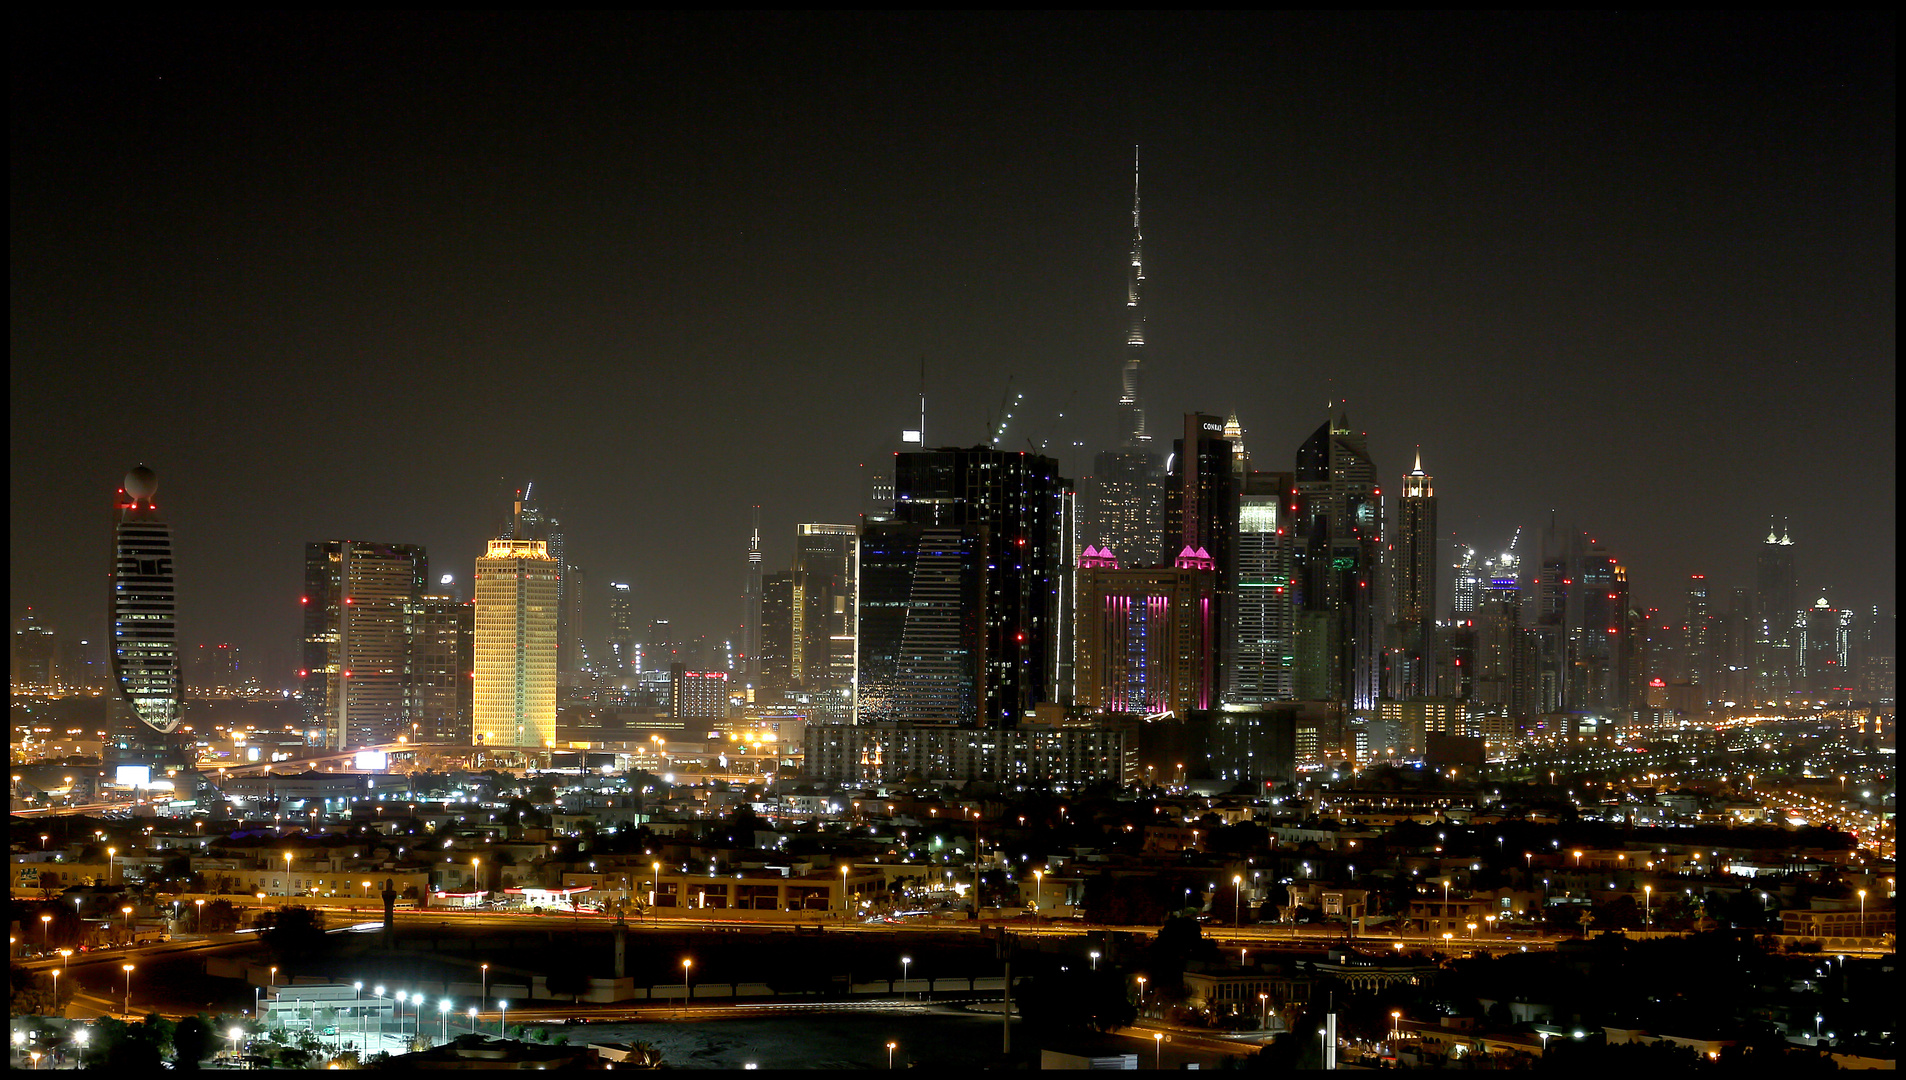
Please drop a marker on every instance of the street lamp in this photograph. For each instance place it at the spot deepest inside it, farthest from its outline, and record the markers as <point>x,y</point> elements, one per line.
<point>1647,905</point>
<point>357,1006</point>
<point>473,1014</point>
<point>503,1016</point>
<point>1158,1048</point>
<point>110,852</point>
<point>127,968</point>
<point>56,992</point>
<point>402,996</point>
<point>443,1020</point>
<point>46,929</point>
<point>1237,899</point>
<point>1396,1020</point>
<point>1095,959</point>
<point>287,873</point>
<point>1264,1015</point>
<point>484,998</point>
<point>233,1035</point>
<point>273,979</point>
<point>1862,913</point>
<point>904,962</point>
<point>1141,992</point>
<point>843,889</point>
<point>198,917</point>
<point>686,964</point>
<point>1039,888</point>
<point>890,1047</point>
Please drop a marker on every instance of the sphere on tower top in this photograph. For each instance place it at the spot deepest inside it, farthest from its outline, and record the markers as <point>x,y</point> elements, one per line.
<point>141,484</point>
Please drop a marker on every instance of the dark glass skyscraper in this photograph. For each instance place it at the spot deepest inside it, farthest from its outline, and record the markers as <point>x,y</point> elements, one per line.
<point>1014,504</point>
<point>443,663</point>
<point>975,550</point>
<point>1776,607</point>
<point>622,630</point>
<point>922,596</point>
<point>1201,516</point>
<point>363,612</point>
<point>1340,547</point>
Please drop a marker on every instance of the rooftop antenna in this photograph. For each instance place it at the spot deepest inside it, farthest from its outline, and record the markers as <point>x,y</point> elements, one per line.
<point>919,434</point>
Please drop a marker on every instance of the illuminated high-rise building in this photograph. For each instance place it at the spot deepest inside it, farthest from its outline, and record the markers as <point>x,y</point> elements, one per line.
<point>1601,635</point>
<point>35,652</point>
<point>1146,636</point>
<point>1263,655</point>
<point>698,697</point>
<point>1468,584</point>
<point>827,559</point>
<point>621,630</point>
<point>517,599</point>
<point>1489,629</point>
<point>1823,645</point>
<point>785,629</point>
<point>1123,511</point>
<point>148,691</point>
<point>362,612</point>
<point>1579,653</point>
<point>1413,668</point>
<point>1699,635</point>
<point>1131,408</point>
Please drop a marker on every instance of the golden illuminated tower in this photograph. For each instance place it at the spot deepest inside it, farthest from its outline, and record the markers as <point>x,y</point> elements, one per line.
<point>514,700</point>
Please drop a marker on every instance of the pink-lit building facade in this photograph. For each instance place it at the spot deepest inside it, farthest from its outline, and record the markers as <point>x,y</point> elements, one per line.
<point>1145,637</point>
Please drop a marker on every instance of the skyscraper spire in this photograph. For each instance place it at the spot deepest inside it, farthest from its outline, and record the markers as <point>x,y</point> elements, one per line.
<point>751,609</point>
<point>1131,411</point>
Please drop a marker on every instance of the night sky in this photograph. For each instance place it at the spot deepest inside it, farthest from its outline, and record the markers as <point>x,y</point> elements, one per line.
<point>360,277</point>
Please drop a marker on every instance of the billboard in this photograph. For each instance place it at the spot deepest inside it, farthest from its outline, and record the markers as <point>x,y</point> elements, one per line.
<point>136,776</point>
<point>372,761</point>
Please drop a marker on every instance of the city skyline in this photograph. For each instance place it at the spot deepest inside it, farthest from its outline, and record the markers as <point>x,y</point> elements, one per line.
<point>1633,270</point>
